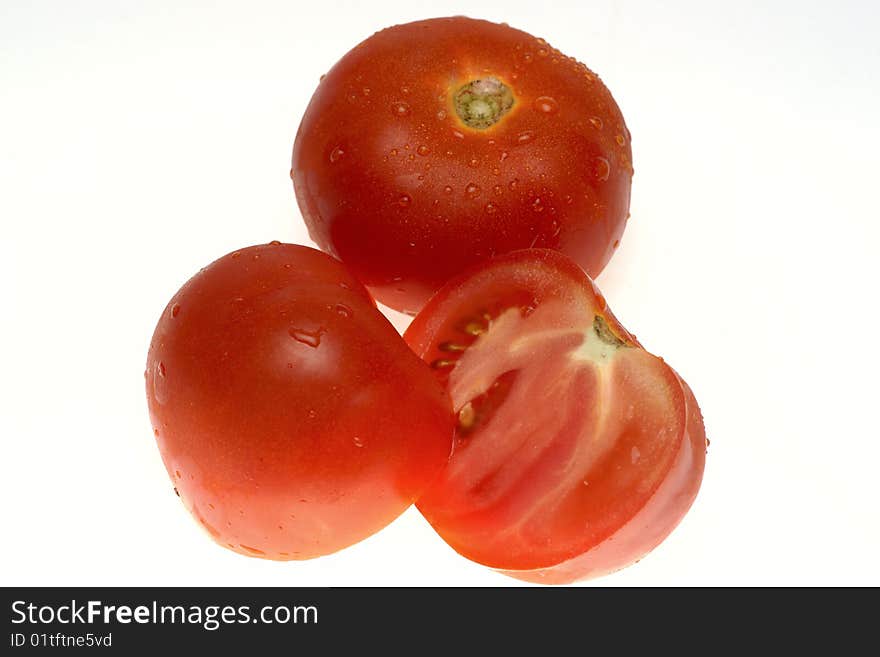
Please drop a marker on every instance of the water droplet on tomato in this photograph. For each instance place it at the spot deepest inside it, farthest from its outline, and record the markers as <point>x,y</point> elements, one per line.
<point>313,413</point>
<point>498,189</point>
<point>308,338</point>
<point>400,109</point>
<point>635,455</point>
<point>448,189</point>
<point>472,190</point>
<point>512,184</point>
<point>235,254</point>
<point>537,205</point>
<point>358,441</point>
<point>161,369</point>
<point>458,134</point>
<point>596,122</point>
<point>543,52</point>
<point>404,201</point>
<point>343,310</point>
<point>441,115</point>
<point>620,140</point>
<point>366,91</point>
<point>336,154</point>
<point>473,163</point>
<point>603,168</point>
<point>545,105</point>
<point>491,208</point>
<point>525,137</point>
<point>423,150</point>
<point>175,310</point>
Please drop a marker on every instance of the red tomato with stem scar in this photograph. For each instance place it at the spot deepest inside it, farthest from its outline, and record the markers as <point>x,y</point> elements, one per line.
<point>576,451</point>
<point>435,145</point>
<point>291,416</point>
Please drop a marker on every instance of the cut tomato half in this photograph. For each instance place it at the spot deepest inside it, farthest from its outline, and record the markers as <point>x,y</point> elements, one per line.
<point>576,451</point>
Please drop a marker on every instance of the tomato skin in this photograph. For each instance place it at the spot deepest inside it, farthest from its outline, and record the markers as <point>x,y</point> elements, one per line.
<point>390,180</point>
<point>291,417</point>
<point>594,453</point>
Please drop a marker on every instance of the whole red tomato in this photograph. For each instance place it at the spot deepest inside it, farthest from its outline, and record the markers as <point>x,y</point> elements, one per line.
<point>434,145</point>
<point>576,450</point>
<point>291,416</point>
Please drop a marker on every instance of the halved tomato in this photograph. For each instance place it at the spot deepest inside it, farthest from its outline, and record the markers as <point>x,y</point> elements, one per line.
<point>576,452</point>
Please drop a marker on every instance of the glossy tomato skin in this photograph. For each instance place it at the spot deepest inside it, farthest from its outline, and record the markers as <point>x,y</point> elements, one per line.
<point>392,181</point>
<point>291,417</point>
<point>577,452</point>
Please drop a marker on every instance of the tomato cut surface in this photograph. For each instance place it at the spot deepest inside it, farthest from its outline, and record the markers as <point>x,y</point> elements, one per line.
<point>576,450</point>
<point>437,144</point>
<point>292,418</point>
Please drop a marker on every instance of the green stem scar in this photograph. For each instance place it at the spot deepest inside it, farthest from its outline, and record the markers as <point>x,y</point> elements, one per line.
<point>481,103</point>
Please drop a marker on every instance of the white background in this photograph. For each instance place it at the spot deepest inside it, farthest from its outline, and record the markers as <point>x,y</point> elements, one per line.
<point>141,140</point>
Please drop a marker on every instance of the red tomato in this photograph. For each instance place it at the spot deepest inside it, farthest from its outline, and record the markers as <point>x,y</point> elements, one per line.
<point>576,450</point>
<point>434,145</point>
<point>291,417</point>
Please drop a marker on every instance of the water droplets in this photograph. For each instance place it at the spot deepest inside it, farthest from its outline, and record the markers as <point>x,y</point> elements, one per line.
<point>538,205</point>
<point>620,139</point>
<point>458,134</point>
<point>336,155</point>
<point>525,137</point>
<point>423,150</point>
<point>404,200</point>
<point>602,169</point>
<point>308,338</point>
<point>441,115</point>
<point>448,190</point>
<point>472,190</point>
<point>545,105</point>
<point>596,122</point>
<point>358,441</point>
<point>491,208</point>
<point>175,310</point>
<point>512,184</point>
<point>342,310</point>
<point>161,370</point>
<point>473,163</point>
<point>400,109</point>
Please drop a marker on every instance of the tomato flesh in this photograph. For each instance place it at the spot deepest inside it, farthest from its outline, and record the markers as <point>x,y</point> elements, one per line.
<point>291,417</point>
<point>408,189</point>
<point>576,450</point>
